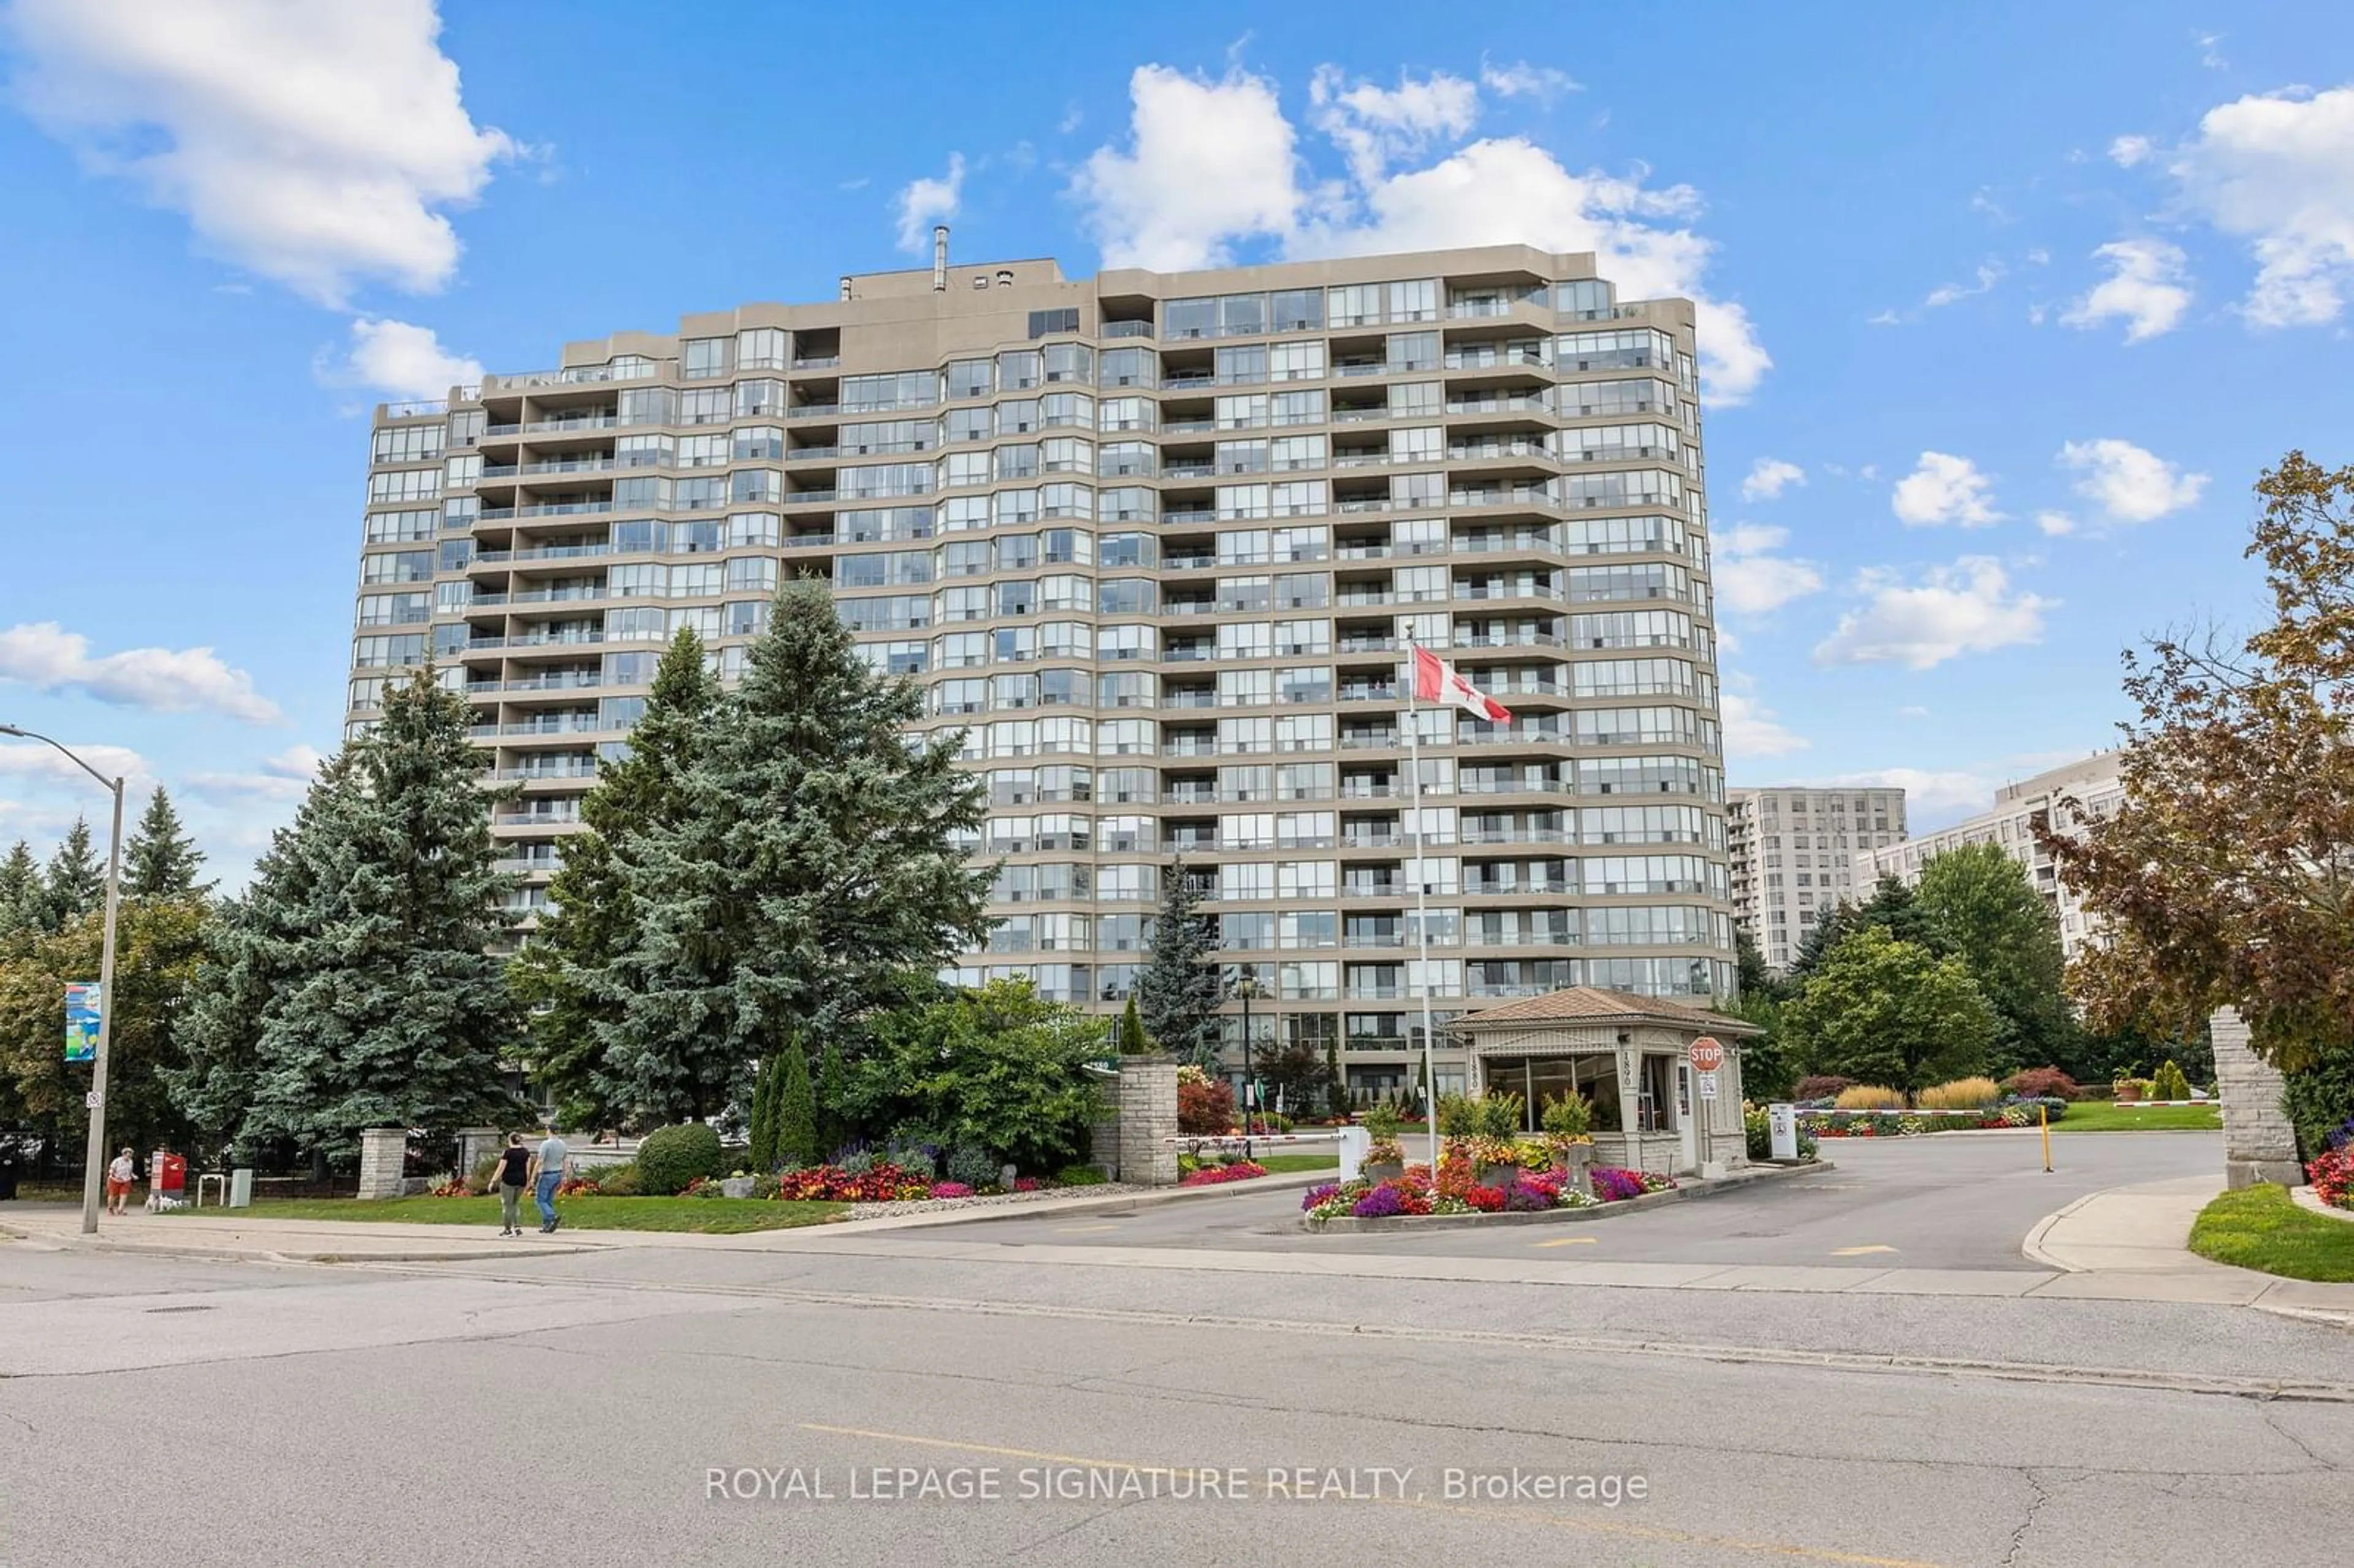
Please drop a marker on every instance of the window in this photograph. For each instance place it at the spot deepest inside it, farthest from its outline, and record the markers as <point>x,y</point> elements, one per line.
<point>1064,320</point>
<point>761,348</point>
<point>702,358</point>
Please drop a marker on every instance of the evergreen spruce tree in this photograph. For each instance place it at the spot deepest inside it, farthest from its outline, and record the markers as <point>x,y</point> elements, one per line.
<point>386,1007</point>
<point>812,861</point>
<point>253,945</point>
<point>796,1112</point>
<point>161,861</point>
<point>1179,992</point>
<point>1335,1087</point>
<point>75,883</point>
<point>567,965</point>
<point>21,891</point>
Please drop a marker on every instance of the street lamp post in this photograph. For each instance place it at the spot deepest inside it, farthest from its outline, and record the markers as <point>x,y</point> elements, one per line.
<point>94,1159</point>
<point>1247,987</point>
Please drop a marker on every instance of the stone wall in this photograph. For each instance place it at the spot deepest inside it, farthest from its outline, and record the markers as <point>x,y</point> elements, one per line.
<point>1103,1144</point>
<point>2259,1144</point>
<point>384,1152</point>
<point>1147,1098</point>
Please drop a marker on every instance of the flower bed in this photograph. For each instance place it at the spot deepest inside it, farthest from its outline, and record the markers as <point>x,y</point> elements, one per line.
<point>1825,1122</point>
<point>1212,1175</point>
<point>1454,1191</point>
<point>2332,1175</point>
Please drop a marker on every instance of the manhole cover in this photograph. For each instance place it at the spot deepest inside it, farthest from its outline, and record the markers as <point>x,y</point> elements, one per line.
<point>191,1308</point>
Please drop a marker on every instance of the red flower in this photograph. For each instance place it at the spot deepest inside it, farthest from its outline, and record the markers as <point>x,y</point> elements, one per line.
<point>1487,1200</point>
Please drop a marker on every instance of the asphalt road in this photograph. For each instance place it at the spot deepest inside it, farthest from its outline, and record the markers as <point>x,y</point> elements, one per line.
<point>1956,1202</point>
<point>434,1416</point>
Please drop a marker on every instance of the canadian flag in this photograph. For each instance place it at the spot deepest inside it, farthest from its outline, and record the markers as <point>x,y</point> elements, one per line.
<point>1434,681</point>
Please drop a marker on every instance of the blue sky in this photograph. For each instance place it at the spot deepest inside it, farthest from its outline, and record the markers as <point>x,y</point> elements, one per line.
<point>2007,305</point>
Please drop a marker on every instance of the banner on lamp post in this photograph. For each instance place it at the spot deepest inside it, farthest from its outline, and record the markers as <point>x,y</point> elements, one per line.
<point>82,1005</point>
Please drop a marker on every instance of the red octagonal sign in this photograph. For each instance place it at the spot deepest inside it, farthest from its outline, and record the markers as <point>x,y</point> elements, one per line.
<point>1707,1056</point>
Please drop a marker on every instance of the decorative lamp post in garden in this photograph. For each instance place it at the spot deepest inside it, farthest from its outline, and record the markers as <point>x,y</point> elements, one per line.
<point>94,1157</point>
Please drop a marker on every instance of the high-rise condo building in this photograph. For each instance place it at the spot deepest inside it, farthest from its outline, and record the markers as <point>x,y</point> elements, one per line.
<point>1158,544</point>
<point>2096,787</point>
<point>1793,849</point>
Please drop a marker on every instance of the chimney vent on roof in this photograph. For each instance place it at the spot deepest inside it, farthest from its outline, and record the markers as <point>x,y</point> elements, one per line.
<point>939,259</point>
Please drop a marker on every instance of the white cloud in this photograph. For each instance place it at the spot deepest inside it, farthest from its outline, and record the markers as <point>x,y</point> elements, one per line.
<point>398,357</point>
<point>281,779</point>
<point>925,202</point>
<point>1751,579</point>
<point>2130,484</point>
<point>1072,115</point>
<point>33,760</point>
<point>1522,80</point>
<point>1988,275</point>
<point>1912,710</point>
<point>48,658</point>
<point>1375,126</point>
<point>1769,477</point>
<point>2055,524</point>
<point>1752,730</point>
<point>1944,489</point>
<point>1967,607</point>
<point>1209,162</point>
<point>2277,169</point>
<point>316,145</point>
<point>2128,151</point>
<point>2144,287</point>
<point>2209,55</point>
<point>1212,164</point>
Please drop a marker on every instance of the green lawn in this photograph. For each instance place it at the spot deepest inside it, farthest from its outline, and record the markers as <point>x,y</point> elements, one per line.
<point>1277,1164</point>
<point>2259,1228</point>
<point>709,1216</point>
<point>2104,1116</point>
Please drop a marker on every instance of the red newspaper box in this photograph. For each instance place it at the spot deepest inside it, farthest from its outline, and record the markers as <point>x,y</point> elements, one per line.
<point>167,1173</point>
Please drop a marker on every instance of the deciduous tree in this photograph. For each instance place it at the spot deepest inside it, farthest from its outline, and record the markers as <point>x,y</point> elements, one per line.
<point>1883,1011</point>
<point>1978,903</point>
<point>2227,876</point>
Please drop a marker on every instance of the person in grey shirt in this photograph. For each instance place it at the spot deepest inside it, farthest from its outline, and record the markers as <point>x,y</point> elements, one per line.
<point>547,1174</point>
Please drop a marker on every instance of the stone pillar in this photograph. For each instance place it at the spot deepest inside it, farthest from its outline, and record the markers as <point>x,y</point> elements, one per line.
<point>476,1144</point>
<point>1103,1145</point>
<point>383,1154</point>
<point>1148,1119</point>
<point>2259,1145</point>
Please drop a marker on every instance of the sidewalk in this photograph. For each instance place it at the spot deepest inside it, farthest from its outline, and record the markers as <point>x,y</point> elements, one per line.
<point>2132,1243</point>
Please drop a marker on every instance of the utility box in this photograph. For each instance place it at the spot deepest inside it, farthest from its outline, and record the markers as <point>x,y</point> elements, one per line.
<point>240,1187</point>
<point>1354,1142</point>
<point>167,1174</point>
<point>1782,1130</point>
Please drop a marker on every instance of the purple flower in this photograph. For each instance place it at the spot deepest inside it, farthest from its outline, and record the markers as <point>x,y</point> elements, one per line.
<point>1319,1194</point>
<point>1613,1185</point>
<point>1524,1198</point>
<point>1378,1204</point>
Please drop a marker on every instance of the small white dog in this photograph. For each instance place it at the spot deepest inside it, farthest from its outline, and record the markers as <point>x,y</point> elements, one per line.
<point>162,1202</point>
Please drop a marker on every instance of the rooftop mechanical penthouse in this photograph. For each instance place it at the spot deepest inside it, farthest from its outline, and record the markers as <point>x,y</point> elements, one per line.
<point>1158,543</point>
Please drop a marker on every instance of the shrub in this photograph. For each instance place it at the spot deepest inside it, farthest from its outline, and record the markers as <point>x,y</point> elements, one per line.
<point>615,1181</point>
<point>485,1171</point>
<point>915,1150</point>
<point>1079,1176</point>
<point>1568,1114</point>
<point>970,1165</point>
<point>1869,1097</point>
<point>2043,1083</point>
<point>673,1157</point>
<point>1962,1094</point>
<point>1821,1086</point>
<point>1460,1116</point>
<point>2169,1084</point>
<point>1205,1107</point>
<point>1382,1120</point>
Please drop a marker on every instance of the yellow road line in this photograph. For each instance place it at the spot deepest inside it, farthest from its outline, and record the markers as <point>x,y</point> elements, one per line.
<point>1569,1241</point>
<point>1465,1511</point>
<point>1081,1230</point>
<point>1859,1251</point>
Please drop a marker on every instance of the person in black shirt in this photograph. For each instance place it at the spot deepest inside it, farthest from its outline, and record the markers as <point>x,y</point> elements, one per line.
<point>514,1175</point>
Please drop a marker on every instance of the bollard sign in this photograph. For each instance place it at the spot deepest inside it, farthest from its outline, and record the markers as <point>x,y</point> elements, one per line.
<point>82,1021</point>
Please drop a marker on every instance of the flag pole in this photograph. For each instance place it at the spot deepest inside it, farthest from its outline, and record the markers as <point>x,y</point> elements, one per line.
<point>1421,897</point>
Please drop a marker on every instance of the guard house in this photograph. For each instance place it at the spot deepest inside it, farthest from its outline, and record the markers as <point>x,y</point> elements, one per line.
<point>1654,1108</point>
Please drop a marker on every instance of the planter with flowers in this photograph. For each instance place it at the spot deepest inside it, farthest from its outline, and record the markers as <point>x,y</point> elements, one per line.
<point>1458,1195</point>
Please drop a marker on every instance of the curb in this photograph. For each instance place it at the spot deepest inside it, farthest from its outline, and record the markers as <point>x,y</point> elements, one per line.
<point>2306,1198</point>
<point>1279,1181</point>
<point>1349,1225</point>
<point>281,1255</point>
<point>2032,1248</point>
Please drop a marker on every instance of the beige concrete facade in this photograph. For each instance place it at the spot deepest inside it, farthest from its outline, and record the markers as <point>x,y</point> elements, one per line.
<point>1158,543</point>
<point>1792,849</point>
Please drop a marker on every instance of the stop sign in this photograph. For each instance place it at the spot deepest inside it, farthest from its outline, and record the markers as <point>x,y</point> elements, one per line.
<point>1707,1056</point>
